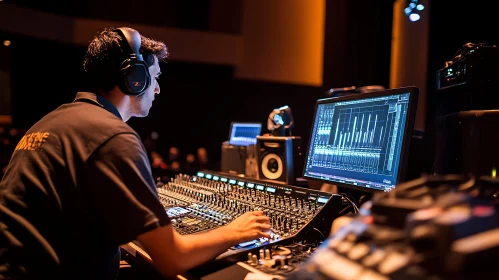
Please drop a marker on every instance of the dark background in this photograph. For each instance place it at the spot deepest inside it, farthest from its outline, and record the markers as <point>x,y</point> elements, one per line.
<point>358,34</point>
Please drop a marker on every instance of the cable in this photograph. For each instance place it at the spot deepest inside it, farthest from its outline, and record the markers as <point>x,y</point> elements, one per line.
<point>298,245</point>
<point>345,210</point>
<point>285,251</point>
<point>320,233</point>
<point>356,209</point>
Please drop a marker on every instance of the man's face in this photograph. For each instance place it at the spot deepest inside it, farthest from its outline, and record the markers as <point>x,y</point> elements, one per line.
<point>140,105</point>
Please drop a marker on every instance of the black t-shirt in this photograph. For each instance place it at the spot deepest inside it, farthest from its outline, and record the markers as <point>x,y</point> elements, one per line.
<point>78,185</point>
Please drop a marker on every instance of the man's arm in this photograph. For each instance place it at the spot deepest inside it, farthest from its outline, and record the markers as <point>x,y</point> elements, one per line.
<point>124,204</point>
<point>173,253</point>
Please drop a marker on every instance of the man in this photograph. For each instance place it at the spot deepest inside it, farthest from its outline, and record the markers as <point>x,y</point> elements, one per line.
<point>79,183</point>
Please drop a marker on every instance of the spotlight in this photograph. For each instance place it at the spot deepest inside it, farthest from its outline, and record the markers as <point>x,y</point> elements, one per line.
<point>414,17</point>
<point>412,9</point>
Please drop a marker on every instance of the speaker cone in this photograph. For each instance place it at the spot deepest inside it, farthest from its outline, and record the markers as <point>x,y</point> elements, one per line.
<point>271,166</point>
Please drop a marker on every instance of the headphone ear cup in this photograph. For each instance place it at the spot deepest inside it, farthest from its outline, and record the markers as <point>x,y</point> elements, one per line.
<point>134,77</point>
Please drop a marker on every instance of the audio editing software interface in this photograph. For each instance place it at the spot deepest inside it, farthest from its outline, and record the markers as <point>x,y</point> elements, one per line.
<point>359,142</point>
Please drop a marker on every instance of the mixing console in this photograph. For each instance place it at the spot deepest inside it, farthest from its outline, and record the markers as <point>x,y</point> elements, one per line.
<point>210,200</point>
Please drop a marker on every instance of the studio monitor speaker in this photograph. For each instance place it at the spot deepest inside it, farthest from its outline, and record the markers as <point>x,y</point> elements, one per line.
<point>280,158</point>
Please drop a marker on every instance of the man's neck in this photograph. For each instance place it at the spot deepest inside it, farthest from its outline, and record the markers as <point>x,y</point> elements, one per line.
<point>120,101</point>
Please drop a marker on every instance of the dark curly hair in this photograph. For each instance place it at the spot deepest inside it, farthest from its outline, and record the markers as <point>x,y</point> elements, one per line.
<point>105,55</point>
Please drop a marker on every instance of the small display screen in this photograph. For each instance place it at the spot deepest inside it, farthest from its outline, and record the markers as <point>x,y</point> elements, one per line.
<point>246,244</point>
<point>249,244</point>
<point>240,183</point>
<point>322,199</point>
<point>232,181</point>
<point>200,174</point>
<point>208,176</point>
<point>176,211</point>
<point>250,185</point>
<point>244,134</point>
<point>224,180</point>
<point>260,187</point>
<point>272,190</point>
<point>216,178</point>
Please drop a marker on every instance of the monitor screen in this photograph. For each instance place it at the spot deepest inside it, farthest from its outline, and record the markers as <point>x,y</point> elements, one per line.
<point>244,134</point>
<point>358,141</point>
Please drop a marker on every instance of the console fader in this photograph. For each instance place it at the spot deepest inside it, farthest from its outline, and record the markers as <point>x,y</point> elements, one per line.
<point>210,200</point>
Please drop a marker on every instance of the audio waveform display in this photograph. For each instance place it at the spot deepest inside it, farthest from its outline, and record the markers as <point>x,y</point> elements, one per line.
<point>359,141</point>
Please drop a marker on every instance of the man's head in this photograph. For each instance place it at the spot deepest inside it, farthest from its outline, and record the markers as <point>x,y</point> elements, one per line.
<point>105,57</point>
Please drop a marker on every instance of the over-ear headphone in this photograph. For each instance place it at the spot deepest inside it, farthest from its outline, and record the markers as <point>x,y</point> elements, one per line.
<point>133,75</point>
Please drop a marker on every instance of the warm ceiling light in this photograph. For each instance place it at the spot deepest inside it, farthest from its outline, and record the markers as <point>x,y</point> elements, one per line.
<point>6,42</point>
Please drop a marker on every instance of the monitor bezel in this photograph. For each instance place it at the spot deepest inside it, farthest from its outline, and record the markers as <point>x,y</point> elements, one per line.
<point>232,127</point>
<point>406,141</point>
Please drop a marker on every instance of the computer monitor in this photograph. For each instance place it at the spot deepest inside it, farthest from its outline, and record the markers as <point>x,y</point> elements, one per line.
<point>244,134</point>
<point>361,141</point>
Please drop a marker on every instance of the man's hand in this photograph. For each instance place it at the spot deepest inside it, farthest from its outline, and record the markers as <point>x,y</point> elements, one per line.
<point>249,226</point>
<point>173,253</point>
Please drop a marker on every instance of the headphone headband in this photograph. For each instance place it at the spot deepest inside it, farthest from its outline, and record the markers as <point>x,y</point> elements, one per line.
<point>132,37</point>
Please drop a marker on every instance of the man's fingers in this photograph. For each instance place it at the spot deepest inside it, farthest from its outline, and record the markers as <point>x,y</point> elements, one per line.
<point>263,219</point>
<point>264,227</point>
<point>264,234</point>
